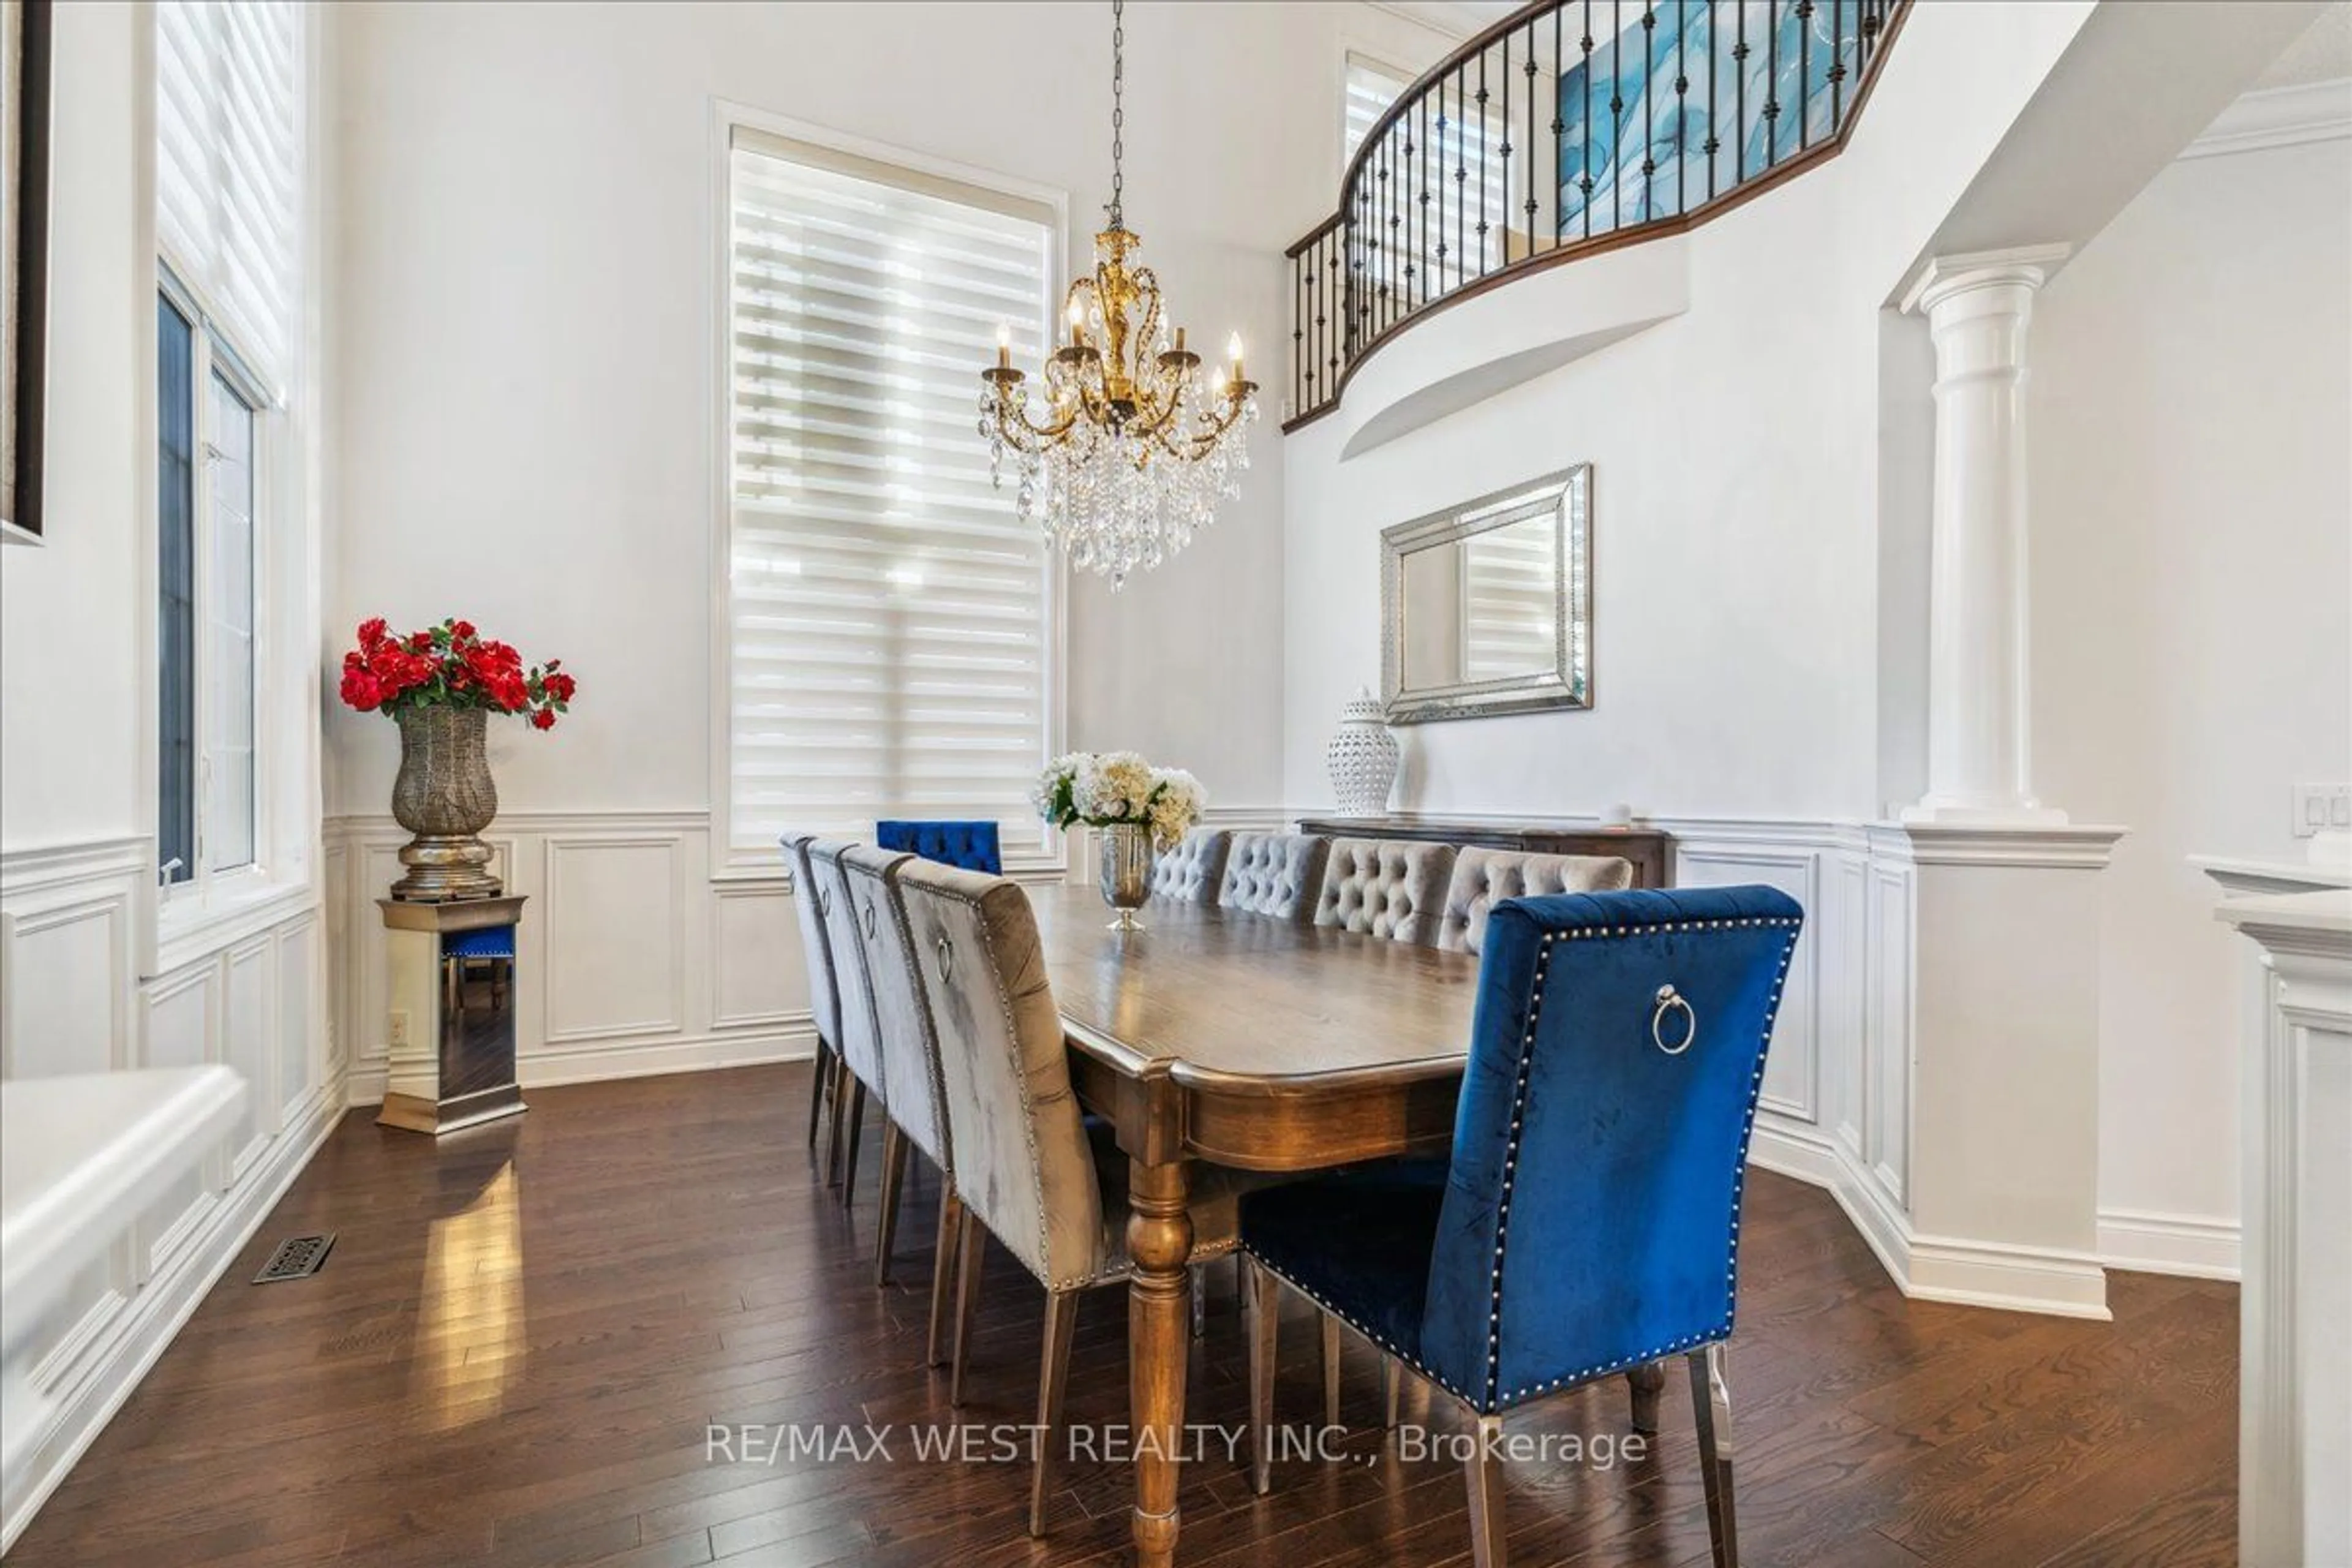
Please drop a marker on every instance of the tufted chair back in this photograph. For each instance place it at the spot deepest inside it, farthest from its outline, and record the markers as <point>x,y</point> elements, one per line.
<point>1195,869</point>
<point>1023,1163</point>
<point>1388,887</point>
<point>971,845</point>
<point>910,1051</point>
<point>816,956</point>
<point>1484,878</point>
<point>1603,1131</point>
<point>860,1040</point>
<point>1276,874</point>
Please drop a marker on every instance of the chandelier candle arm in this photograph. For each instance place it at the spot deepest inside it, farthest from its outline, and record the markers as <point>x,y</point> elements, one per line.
<point>1134,449</point>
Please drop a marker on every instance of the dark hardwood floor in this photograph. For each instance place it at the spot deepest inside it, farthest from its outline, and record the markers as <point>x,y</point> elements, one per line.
<point>516,1347</point>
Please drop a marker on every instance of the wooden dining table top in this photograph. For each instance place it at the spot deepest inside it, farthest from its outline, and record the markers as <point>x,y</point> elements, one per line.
<point>1248,1003</point>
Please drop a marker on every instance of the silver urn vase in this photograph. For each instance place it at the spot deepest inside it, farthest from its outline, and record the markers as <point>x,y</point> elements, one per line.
<point>1362,758</point>
<point>1126,872</point>
<point>445,798</point>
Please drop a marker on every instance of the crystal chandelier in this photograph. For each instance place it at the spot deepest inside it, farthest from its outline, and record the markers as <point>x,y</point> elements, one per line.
<point>1128,454</point>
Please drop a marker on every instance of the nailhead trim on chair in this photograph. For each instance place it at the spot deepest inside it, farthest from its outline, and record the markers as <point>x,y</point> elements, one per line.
<point>1029,1126</point>
<point>1369,1333</point>
<point>1493,1404</point>
<point>1013,1032</point>
<point>1496,1400</point>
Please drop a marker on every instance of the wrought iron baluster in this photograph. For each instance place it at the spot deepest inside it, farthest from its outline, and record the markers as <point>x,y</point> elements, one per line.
<point>1421,200</point>
<point>1616,165</point>
<point>1335,333</point>
<point>1503,247</point>
<point>1461,174</point>
<point>1531,75</point>
<point>1558,127</point>
<point>1714,142</point>
<point>1482,163</point>
<point>1804,72</point>
<point>1739,92</point>
<point>1649,106</point>
<point>1837,67</point>
<point>1771,83</point>
<point>1682,107</point>
<point>1584,182</point>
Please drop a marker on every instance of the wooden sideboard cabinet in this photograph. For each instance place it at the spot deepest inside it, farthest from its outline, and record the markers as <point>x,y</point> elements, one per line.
<point>1650,850</point>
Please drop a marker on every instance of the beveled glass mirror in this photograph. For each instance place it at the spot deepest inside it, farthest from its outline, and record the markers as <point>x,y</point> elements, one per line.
<point>1488,607</point>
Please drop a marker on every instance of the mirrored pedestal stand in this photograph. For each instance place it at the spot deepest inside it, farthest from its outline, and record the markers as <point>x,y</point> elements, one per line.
<point>451,969</point>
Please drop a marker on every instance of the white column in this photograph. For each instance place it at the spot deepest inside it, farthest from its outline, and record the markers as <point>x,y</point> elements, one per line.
<point>1978,709</point>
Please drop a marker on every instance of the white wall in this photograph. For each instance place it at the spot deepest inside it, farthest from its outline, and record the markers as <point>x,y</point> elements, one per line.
<point>2192,620</point>
<point>85,983</point>
<point>528,384</point>
<point>1736,475</point>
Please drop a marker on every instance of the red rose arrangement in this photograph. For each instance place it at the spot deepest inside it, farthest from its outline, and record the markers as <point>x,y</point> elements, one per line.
<point>451,666</point>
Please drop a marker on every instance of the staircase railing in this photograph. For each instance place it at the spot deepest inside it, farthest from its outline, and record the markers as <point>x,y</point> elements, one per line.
<point>1567,128</point>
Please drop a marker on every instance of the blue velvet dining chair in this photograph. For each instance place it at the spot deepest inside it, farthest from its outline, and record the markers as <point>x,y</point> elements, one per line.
<point>971,845</point>
<point>1615,1057</point>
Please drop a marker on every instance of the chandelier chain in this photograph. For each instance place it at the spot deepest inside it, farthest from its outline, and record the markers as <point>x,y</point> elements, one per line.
<point>1118,111</point>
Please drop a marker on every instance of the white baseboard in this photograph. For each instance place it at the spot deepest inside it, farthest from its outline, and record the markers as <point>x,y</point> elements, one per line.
<point>2145,1242</point>
<point>121,1355</point>
<point>1927,1267</point>
<point>2013,1278</point>
<point>548,1066</point>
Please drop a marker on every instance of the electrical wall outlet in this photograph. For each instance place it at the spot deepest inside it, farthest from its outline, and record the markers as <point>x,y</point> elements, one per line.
<point>2322,808</point>
<point>396,1030</point>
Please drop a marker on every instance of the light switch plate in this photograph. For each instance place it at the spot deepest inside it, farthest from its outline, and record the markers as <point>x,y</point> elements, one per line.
<point>396,1032</point>
<point>2322,808</point>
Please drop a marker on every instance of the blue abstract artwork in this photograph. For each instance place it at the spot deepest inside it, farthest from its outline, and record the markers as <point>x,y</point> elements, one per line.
<point>1678,102</point>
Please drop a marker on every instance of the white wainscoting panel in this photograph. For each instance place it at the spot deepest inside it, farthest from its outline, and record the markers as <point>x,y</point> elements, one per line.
<point>67,925</point>
<point>759,978</point>
<point>631,959</point>
<point>1792,1066</point>
<point>249,1043</point>
<point>75,926</point>
<point>612,919</point>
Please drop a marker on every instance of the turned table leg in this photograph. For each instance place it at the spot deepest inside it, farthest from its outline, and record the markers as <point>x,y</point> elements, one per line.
<point>1159,1241</point>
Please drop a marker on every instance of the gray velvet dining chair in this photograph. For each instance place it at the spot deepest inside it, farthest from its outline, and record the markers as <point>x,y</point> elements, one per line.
<point>1484,878</point>
<point>1391,888</point>
<point>1273,874</point>
<point>1026,1171</point>
<point>914,1095</point>
<point>1194,869</point>
<point>824,995</point>
<point>860,1041</point>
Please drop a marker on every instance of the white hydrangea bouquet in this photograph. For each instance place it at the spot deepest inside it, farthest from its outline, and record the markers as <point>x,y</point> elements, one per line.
<point>1119,789</point>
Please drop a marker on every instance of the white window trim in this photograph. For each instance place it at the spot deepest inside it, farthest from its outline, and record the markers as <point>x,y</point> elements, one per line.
<point>206,894</point>
<point>174,932</point>
<point>729,862</point>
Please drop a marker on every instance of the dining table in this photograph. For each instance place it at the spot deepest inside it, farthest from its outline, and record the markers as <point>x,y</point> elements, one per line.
<point>1258,1044</point>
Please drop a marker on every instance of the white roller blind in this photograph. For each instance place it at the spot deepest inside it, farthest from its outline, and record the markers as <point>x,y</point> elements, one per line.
<point>1371,87</point>
<point>889,645</point>
<point>228,167</point>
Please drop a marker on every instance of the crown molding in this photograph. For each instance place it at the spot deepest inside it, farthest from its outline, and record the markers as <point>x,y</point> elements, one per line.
<point>2278,117</point>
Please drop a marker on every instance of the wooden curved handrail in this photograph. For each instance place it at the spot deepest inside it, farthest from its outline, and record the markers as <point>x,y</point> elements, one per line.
<point>1350,293</point>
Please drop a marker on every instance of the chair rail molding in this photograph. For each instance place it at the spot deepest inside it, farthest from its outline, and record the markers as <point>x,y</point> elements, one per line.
<point>1866,1089</point>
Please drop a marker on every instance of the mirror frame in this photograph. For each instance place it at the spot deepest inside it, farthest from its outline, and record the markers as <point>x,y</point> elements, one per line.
<point>1565,684</point>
